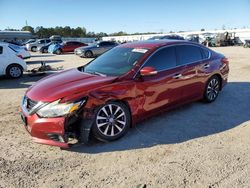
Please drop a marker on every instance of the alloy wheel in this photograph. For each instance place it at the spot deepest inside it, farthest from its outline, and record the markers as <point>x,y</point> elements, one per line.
<point>88,54</point>
<point>213,89</point>
<point>111,120</point>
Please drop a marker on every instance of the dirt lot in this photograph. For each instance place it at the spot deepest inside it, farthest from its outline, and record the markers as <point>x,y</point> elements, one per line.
<point>197,145</point>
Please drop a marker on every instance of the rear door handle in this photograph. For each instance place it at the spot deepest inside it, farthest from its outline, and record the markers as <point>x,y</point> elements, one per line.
<point>206,66</point>
<point>176,76</point>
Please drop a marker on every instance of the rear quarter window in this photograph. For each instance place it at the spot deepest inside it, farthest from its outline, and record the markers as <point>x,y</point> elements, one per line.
<point>1,49</point>
<point>12,48</point>
<point>205,53</point>
<point>41,42</point>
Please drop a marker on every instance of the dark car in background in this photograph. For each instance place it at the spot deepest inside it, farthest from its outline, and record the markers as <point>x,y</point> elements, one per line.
<point>174,37</point>
<point>96,49</point>
<point>68,46</point>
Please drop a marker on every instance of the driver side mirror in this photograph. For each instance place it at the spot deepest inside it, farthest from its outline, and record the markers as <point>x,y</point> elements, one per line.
<point>148,71</point>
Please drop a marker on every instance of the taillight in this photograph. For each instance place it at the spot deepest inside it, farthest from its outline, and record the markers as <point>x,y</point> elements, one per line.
<point>25,49</point>
<point>225,61</point>
<point>20,56</point>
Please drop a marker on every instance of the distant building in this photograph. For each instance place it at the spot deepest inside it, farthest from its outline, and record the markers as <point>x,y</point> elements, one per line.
<point>243,34</point>
<point>16,35</point>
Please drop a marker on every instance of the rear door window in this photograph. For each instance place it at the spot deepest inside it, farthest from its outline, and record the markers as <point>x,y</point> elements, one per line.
<point>163,59</point>
<point>188,54</point>
<point>41,42</point>
<point>76,43</point>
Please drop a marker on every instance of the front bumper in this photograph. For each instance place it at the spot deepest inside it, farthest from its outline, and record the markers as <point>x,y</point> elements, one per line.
<point>49,131</point>
<point>79,53</point>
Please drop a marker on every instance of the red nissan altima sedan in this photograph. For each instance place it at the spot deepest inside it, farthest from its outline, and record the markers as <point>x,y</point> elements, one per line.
<point>123,86</point>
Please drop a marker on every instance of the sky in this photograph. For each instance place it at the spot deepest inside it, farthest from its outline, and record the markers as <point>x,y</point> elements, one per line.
<point>126,15</point>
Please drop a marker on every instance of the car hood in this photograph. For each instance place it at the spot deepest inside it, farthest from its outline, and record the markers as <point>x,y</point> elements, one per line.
<point>65,84</point>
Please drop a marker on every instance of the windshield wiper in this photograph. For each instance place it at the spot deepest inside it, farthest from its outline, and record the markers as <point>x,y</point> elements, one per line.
<point>97,73</point>
<point>100,74</point>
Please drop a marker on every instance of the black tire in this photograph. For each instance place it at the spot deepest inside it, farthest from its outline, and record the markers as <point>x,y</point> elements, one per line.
<point>212,89</point>
<point>114,127</point>
<point>14,71</point>
<point>45,50</point>
<point>88,54</point>
<point>33,48</point>
<point>58,51</point>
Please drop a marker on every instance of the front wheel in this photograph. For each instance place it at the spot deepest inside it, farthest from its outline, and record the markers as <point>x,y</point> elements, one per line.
<point>88,54</point>
<point>212,89</point>
<point>112,121</point>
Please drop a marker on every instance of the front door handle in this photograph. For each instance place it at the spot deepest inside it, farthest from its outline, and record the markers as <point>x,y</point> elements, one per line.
<point>206,66</point>
<point>176,76</point>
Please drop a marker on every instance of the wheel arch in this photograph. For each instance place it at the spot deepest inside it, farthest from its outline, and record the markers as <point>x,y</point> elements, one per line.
<point>89,50</point>
<point>12,65</point>
<point>220,78</point>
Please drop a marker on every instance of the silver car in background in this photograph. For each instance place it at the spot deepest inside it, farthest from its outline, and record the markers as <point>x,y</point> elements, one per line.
<point>38,43</point>
<point>95,49</point>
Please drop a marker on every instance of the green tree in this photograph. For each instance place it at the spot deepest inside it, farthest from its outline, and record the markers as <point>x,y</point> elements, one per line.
<point>28,28</point>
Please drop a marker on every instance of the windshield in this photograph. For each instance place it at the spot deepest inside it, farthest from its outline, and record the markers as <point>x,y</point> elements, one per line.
<point>115,62</point>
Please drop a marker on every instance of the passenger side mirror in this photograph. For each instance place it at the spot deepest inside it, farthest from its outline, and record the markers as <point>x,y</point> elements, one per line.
<point>148,71</point>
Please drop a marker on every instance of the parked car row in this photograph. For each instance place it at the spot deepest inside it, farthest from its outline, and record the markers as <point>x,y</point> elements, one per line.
<point>79,48</point>
<point>69,46</point>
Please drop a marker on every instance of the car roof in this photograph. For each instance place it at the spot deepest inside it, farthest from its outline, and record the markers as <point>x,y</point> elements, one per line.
<point>150,44</point>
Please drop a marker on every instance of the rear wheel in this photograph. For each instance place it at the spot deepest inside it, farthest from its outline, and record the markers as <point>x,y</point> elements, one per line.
<point>212,89</point>
<point>112,121</point>
<point>14,71</point>
<point>45,50</point>
<point>88,54</point>
<point>58,51</point>
<point>33,48</point>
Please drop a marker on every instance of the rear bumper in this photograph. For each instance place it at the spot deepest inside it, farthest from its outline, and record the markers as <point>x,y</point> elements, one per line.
<point>49,131</point>
<point>224,74</point>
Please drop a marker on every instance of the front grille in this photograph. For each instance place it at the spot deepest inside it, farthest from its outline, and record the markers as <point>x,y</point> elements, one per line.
<point>30,104</point>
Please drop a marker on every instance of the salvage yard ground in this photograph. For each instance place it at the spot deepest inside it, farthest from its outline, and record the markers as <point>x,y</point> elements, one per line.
<point>197,145</point>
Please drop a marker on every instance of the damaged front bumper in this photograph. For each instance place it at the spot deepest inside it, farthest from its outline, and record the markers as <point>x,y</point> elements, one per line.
<point>51,131</point>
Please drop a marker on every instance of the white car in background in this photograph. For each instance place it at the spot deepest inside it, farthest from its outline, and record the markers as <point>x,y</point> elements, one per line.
<point>21,51</point>
<point>10,64</point>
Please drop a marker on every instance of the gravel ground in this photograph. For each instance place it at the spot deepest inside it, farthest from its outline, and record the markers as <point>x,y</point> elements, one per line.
<point>197,145</point>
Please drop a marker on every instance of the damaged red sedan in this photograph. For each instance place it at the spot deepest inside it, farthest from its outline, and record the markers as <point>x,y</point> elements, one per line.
<point>123,86</point>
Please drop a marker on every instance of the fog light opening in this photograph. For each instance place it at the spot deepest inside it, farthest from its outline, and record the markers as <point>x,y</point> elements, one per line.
<point>56,137</point>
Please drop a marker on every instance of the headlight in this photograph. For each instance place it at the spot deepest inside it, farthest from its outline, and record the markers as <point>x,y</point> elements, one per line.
<point>57,109</point>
